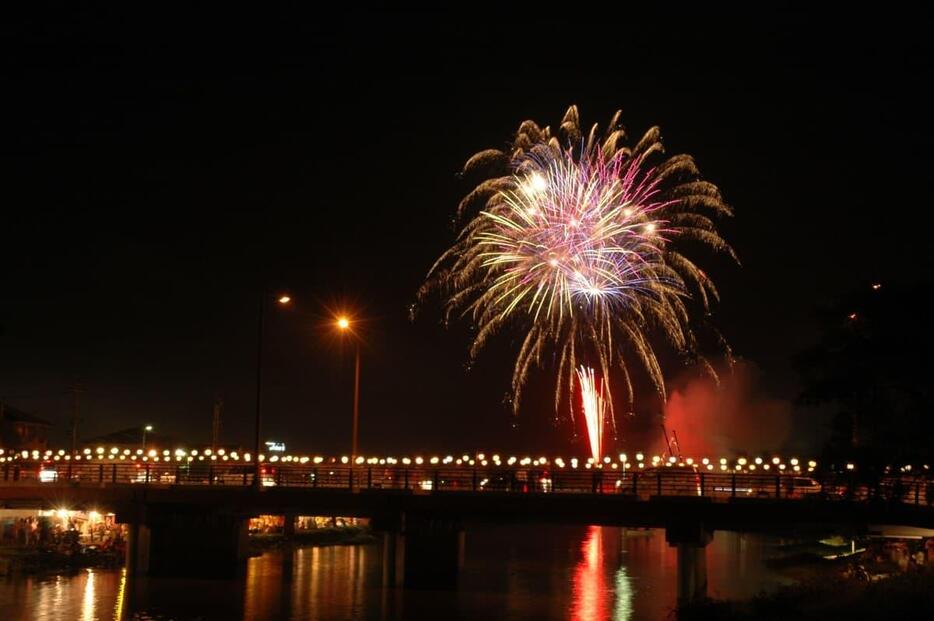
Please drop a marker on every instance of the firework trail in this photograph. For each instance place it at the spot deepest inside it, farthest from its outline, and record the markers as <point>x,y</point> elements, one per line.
<point>594,407</point>
<point>575,239</point>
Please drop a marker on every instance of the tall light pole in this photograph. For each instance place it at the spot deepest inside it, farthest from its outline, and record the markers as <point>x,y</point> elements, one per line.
<point>282,300</point>
<point>343,323</point>
<point>146,430</point>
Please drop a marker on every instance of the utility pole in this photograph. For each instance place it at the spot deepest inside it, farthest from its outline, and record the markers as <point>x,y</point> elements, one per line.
<point>356,405</point>
<point>216,424</point>
<point>75,391</point>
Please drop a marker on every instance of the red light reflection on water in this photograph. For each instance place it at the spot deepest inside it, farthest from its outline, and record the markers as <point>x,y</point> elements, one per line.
<point>591,592</point>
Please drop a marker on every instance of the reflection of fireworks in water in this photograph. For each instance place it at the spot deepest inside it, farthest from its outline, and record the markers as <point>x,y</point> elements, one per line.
<point>594,409</point>
<point>591,599</point>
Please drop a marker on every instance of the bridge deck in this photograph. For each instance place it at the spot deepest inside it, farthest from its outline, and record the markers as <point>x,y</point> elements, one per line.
<point>740,501</point>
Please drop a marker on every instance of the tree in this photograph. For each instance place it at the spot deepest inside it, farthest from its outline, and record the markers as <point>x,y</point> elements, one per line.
<point>873,363</point>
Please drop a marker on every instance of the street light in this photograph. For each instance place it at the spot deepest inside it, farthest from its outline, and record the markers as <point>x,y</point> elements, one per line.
<point>146,429</point>
<point>282,300</point>
<point>343,324</point>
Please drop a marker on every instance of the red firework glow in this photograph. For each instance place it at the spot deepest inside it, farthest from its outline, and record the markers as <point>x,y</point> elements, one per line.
<point>732,417</point>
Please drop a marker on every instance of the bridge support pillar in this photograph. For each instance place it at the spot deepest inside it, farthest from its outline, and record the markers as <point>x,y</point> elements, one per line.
<point>181,541</point>
<point>137,549</point>
<point>393,559</point>
<point>423,552</point>
<point>691,542</point>
<point>288,525</point>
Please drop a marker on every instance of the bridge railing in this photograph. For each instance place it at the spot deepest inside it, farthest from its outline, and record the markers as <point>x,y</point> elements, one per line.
<point>639,484</point>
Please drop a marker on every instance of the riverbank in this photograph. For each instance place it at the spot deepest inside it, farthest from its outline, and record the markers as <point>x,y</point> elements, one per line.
<point>328,536</point>
<point>844,595</point>
<point>29,560</point>
<point>14,559</point>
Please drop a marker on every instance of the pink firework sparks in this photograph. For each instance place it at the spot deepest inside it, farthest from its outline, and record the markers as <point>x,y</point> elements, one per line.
<point>595,408</point>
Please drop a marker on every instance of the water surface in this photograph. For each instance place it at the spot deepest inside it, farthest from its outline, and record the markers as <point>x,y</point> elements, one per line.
<point>516,573</point>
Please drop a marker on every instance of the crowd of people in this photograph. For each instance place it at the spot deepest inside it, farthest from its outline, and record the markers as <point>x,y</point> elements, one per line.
<point>65,535</point>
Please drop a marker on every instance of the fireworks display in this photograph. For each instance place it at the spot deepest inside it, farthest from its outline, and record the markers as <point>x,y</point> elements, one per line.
<point>594,408</point>
<point>574,239</point>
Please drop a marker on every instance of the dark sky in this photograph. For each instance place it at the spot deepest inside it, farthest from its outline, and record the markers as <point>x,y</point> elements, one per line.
<point>159,166</point>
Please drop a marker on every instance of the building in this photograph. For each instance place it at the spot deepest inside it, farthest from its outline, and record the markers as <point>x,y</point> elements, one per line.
<point>132,438</point>
<point>21,430</point>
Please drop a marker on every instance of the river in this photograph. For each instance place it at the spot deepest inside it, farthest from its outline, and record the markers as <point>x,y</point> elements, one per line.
<point>516,573</point>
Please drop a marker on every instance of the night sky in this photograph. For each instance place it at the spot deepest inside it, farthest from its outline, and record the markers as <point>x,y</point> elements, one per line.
<point>160,166</point>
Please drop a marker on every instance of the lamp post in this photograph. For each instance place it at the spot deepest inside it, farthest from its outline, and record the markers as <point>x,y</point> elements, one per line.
<point>146,430</point>
<point>282,300</point>
<point>343,324</point>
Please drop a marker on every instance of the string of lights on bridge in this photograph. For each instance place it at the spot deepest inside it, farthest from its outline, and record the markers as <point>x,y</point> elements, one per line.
<point>621,462</point>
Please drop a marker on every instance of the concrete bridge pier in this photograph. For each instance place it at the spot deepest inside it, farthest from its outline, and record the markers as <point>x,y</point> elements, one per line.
<point>137,549</point>
<point>422,552</point>
<point>691,541</point>
<point>288,525</point>
<point>183,541</point>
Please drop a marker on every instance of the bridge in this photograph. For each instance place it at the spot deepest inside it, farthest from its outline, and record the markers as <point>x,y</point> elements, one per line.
<point>188,516</point>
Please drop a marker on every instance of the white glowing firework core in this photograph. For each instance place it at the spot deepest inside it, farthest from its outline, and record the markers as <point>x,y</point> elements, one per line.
<point>594,406</point>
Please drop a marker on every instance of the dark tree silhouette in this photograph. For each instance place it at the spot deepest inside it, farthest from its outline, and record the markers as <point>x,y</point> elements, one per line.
<point>873,363</point>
